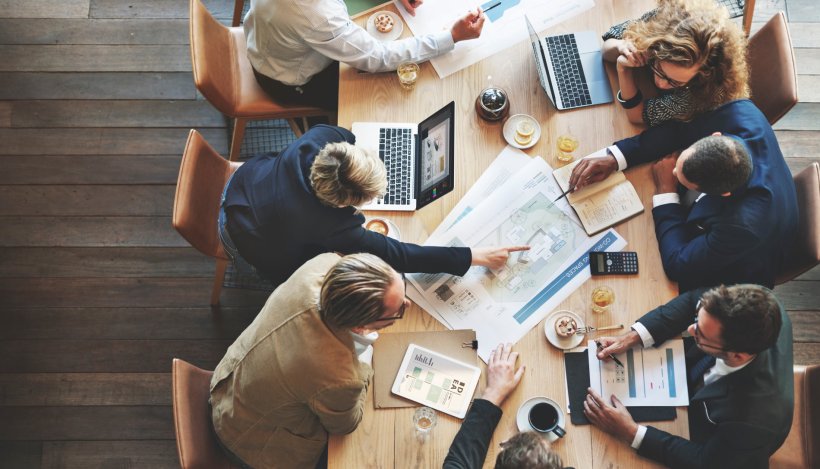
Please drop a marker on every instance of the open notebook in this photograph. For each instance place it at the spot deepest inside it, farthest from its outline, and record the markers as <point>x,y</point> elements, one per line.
<point>602,204</point>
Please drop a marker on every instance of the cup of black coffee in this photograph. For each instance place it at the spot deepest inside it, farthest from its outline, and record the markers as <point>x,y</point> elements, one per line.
<point>543,418</point>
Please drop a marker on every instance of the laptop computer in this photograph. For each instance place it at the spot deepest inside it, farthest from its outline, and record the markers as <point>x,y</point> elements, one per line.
<point>419,158</point>
<point>570,68</point>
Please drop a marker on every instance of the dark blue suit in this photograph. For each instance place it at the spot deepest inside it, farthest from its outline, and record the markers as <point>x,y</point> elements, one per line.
<point>742,238</point>
<point>740,419</point>
<point>277,223</point>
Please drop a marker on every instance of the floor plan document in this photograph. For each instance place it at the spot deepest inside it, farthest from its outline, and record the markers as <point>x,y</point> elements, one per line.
<point>654,376</point>
<point>503,27</point>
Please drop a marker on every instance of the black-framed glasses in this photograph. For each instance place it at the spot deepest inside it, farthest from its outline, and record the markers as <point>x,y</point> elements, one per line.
<point>656,69</point>
<point>699,337</point>
<point>403,306</point>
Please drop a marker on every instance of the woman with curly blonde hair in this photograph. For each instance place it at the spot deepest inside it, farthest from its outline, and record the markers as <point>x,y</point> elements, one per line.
<point>695,55</point>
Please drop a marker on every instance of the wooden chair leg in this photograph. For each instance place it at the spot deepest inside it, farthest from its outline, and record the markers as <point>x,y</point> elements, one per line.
<point>748,14</point>
<point>238,6</point>
<point>236,139</point>
<point>294,126</point>
<point>219,278</point>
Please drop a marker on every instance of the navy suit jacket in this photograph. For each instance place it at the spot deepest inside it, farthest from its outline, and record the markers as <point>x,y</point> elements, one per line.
<point>740,419</point>
<point>277,223</point>
<point>742,238</point>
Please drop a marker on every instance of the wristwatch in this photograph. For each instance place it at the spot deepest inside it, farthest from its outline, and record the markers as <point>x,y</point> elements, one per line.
<point>631,102</point>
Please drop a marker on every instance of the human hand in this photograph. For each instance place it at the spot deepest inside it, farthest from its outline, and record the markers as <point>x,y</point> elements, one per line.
<point>629,56</point>
<point>411,5</point>
<point>614,419</point>
<point>592,169</point>
<point>616,345</point>
<point>665,179</point>
<point>469,26</point>
<point>502,377</point>
<point>494,257</point>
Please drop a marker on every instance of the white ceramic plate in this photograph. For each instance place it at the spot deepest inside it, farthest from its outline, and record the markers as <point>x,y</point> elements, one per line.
<point>522,417</point>
<point>509,130</point>
<point>393,34</point>
<point>564,343</point>
<point>392,229</point>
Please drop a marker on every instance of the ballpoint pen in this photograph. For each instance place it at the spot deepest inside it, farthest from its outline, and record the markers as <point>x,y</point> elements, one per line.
<point>561,196</point>
<point>492,6</point>
<point>601,347</point>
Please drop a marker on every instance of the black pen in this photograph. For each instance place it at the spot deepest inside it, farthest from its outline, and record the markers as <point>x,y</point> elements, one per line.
<point>492,6</point>
<point>601,347</point>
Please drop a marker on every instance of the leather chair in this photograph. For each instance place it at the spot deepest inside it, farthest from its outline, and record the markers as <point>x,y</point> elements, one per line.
<point>772,73</point>
<point>197,443</point>
<point>223,74</point>
<point>806,252</point>
<point>203,174</point>
<point>801,449</point>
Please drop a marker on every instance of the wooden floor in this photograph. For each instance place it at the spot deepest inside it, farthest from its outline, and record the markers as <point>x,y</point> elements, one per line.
<point>97,291</point>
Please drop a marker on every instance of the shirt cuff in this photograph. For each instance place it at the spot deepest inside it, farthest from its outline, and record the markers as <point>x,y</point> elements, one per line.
<point>619,157</point>
<point>636,442</point>
<point>444,40</point>
<point>667,198</point>
<point>643,332</point>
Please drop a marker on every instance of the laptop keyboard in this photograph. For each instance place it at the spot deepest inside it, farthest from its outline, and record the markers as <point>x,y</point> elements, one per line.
<point>569,75</point>
<point>394,150</point>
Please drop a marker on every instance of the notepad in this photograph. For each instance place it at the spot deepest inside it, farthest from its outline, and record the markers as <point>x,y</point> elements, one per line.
<point>602,204</point>
<point>437,381</point>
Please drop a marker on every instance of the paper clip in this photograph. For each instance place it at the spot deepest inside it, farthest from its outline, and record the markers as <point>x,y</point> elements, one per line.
<point>473,345</point>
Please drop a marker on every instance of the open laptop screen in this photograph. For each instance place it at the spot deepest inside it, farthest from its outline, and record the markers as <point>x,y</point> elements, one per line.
<point>436,156</point>
<point>540,60</point>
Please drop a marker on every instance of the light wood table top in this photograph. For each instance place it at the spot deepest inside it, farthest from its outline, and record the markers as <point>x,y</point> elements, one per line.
<point>385,437</point>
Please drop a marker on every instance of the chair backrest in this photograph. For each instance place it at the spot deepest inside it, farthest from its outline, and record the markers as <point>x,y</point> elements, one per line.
<point>203,174</point>
<point>197,443</point>
<point>772,74</point>
<point>213,57</point>
<point>802,447</point>
<point>806,252</point>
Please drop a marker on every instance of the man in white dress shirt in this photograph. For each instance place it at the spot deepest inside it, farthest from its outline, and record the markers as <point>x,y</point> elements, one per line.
<point>295,46</point>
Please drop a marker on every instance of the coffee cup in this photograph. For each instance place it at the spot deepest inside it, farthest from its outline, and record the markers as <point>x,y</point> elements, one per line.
<point>544,417</point>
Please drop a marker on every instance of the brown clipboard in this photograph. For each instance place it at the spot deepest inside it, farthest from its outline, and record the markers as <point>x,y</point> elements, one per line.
<point>389,350</point>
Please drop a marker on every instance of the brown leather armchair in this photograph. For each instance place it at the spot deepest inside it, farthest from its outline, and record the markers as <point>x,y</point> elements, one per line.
<point>806,252</point>
<point>772,73</point>
<point>197,442</point>
<point>203,174</point>
<point>223,74</point>
<point>800,451</point>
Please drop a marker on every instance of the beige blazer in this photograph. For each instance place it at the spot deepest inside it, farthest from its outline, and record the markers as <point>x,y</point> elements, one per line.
<point>288,380</point>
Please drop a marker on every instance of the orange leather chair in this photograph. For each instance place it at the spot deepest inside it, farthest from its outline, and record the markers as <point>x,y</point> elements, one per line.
<point>806,253</point>
<point>203,174</point>
<point>802,447</point>
<point>223,74</point>
<point>772,73</point>
<point>197,443</point>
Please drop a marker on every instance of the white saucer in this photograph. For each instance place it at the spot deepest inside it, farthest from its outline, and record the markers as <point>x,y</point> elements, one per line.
<point>393,34</point>
<point>509,130</point>
<point>523,422</point>
<point>392,230</point>
<point>564,343</point>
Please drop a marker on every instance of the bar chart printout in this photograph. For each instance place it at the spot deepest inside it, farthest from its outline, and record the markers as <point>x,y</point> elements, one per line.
<point>653,376</point>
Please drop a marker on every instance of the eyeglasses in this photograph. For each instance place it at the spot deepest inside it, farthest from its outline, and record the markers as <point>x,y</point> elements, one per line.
<point>403,306</point>
<point>656,69</point>
<point>699,337</point>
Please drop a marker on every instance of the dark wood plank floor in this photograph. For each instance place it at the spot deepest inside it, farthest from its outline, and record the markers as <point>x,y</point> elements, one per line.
<point>97,291</point>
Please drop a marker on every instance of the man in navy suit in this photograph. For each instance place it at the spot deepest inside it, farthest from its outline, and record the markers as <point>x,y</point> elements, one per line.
<point>744,216</point>
<point>279,211</point>
<point>740,370</point>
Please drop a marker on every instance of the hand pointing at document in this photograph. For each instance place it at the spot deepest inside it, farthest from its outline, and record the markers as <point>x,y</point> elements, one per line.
<point>494,257</point>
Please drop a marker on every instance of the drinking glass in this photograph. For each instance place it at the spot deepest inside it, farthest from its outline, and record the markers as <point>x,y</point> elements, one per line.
<point>602,299</point>
<point>408,74</point>
<point>566,145</point>
<point>424,419</point>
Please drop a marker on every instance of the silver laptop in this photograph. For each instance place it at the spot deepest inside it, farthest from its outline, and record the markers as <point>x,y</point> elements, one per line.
<point>570,68</point>
<point>419,158</point>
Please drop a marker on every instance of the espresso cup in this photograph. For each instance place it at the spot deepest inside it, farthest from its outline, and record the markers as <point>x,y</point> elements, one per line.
<point>543,418</point>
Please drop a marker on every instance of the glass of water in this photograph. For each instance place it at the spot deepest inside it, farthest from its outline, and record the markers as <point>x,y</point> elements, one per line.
<point>424,420</point>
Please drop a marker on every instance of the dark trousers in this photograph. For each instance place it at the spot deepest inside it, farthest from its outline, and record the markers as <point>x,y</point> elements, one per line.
<point>321,91</point>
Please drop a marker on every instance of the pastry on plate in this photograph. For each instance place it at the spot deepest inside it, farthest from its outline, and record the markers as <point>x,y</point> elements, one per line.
<point>565,326</point>
<point>383,23</point>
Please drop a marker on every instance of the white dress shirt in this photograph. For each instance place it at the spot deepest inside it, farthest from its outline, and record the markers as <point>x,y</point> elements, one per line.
<point>292,40</point>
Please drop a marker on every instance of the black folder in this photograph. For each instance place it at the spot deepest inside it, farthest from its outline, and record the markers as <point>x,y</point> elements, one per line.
<point>577,368</point>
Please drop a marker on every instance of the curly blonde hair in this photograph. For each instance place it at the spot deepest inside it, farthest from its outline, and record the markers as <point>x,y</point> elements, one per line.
<point>697,32</point>
<point>343,174</point>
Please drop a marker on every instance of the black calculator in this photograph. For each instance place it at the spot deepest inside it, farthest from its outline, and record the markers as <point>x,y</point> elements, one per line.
<point>612,263</point>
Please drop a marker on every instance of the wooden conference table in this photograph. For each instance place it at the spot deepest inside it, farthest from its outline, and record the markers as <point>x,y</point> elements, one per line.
<point>385,437</point>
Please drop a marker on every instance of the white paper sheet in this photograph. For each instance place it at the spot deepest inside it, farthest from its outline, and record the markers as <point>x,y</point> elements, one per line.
<point>504,26</point>
<point>654,376</point>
